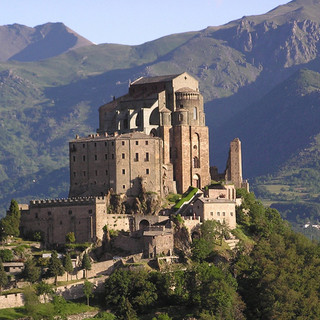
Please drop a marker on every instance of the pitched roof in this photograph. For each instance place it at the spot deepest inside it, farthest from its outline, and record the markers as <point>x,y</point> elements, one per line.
<point>165,78</point>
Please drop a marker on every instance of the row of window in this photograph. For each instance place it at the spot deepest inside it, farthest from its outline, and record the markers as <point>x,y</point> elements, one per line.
<point>123,156</point>
<point>146,142</point>
<point>223,214</point>
<point>84,173</point>
<point>69,212</point>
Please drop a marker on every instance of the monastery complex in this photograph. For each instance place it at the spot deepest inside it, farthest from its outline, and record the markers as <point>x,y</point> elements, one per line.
<point>151,142</point>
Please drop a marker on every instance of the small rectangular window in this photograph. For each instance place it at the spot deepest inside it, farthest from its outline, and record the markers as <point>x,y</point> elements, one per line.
<point>96,172</point>
<point>137,143</point>
<point>74,159</point>
<point>74,174</point>
<point>105,143</point>
<point>136,158</point>
<point>147,156</point>
<point>84,173</point>
<point>95,157</point>
<point>147,142</point>
<point>106,172</point>
<point>123,186</point>
<point>123,143</point>
<point>147,171</point>
<point>84,158</point>
<point>106,156</point>
<point>83,145</point>
<point>123,156</point>
<point>112,143</point>
<point>123,171</point>
<point>112,156</point>
<point>95,144</point>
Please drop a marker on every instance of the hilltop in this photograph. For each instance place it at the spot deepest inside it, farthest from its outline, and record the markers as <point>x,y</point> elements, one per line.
<point>23,43</point>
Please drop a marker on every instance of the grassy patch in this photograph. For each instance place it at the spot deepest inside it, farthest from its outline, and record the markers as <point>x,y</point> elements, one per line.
<point>12,313</point>
<point>186,197</point>
<point>65,309</point>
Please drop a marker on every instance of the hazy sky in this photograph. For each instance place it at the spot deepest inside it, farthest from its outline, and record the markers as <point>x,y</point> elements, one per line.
<point>130,21</point>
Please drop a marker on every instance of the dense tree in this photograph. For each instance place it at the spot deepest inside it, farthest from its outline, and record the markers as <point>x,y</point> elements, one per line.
<point>11,222</point>
<point>86,264</point>
<point>3,277</point>
<point>31,271</point>
<point>88,290</point>
<point>44,289</point>
<point>6,255</point>
<point>210,232</point>
<point>130,291</point>
<point>55,267</point>
<point>278,279</point>
<point>68,266</point>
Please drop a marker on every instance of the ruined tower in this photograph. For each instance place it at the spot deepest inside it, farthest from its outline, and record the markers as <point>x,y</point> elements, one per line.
<point>233,172</point>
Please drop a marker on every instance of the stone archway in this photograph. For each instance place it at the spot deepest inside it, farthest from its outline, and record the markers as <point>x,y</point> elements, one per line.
<point>196,181</point>
<point>144,224</point>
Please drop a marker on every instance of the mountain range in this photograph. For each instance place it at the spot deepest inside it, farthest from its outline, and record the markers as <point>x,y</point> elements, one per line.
<point>260,77</point>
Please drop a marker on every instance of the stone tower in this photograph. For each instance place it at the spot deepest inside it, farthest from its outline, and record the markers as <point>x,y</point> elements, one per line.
<point>233,172</point>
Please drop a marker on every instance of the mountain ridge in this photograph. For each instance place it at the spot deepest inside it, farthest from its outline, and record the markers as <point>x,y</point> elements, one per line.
<point>41,42</point>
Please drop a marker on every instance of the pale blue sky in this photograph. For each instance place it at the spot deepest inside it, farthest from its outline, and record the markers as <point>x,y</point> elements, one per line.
<point>130,21</point>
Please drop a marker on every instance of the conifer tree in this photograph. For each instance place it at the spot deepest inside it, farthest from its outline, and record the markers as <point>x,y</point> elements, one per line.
<point>11,222</point>
<point>55,267</point>
<point>68,265</point>
<point>86,264</point>
<point>88,290</point>
<point>31,271</point>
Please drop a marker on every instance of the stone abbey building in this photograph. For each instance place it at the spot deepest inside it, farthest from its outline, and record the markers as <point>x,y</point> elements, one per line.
<point>156,133</point>
<point>155,139</point>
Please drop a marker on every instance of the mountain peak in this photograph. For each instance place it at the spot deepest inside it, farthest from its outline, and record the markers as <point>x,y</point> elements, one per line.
<point>23,43</point>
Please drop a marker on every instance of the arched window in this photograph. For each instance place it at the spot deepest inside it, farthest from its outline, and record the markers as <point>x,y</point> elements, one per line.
<point>196,162</point>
